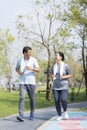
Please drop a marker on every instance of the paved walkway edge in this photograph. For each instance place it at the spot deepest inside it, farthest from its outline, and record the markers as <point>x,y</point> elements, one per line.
<point>71,107</point>
<point>45,123</point>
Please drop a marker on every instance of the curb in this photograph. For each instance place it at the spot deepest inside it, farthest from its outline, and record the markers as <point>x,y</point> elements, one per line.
<point>45,124</point>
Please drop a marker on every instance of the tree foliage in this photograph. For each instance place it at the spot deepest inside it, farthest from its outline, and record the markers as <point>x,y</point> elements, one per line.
<point>5,53</point>
<point>77,18</point>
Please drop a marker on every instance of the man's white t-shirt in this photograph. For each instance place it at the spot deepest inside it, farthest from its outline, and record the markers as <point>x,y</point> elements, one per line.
<point>28,77</point>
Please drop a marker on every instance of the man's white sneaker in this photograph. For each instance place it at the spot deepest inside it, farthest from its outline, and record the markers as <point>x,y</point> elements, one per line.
<point>59,118</point>
<point>66,116</point>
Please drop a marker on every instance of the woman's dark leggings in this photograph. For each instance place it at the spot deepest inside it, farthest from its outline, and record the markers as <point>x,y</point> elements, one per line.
<point>60,96</point>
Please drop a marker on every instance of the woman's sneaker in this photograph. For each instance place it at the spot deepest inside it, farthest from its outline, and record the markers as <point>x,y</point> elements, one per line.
<point>59,118</point>
<point>66,116</point>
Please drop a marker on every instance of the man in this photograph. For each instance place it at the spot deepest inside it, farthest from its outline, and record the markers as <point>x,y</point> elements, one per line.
<point>26,68</point>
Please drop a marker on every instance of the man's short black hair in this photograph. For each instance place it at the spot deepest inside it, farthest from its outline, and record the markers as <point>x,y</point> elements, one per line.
<point>26,48</point>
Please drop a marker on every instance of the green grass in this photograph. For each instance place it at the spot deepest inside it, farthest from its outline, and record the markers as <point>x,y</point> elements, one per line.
<point>80,98</point>
<point>9,101</point>
<point>83,109</point>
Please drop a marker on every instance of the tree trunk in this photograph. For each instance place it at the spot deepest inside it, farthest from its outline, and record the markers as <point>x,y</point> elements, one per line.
<point>83,55</point>
<point>9,83</point>
<point>84,65</point>
<point>48,88</point>
<point>86,75</point>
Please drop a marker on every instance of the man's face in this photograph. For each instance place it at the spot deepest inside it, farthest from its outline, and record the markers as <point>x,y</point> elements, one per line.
<point>28,54</point>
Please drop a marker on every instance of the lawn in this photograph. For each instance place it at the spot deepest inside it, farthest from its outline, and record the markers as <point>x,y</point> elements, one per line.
<point>9,101</point>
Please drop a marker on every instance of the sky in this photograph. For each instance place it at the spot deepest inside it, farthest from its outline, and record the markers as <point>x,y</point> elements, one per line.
<point>9,9</point>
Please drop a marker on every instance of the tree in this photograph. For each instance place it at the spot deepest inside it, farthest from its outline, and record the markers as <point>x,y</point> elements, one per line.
<point>77,19</point>
<point>43,33</point>
<point>5,54</point>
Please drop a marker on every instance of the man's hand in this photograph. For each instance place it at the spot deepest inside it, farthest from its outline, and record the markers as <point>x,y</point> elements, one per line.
<point>19,71</point>
<point>34,69</point>
<point>29,68</point>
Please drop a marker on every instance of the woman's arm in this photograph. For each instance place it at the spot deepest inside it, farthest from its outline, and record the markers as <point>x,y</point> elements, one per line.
<point>66,76</point>
<point>68,73</point>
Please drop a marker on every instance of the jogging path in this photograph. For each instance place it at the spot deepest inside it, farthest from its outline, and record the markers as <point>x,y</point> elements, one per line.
<point>45,120</point>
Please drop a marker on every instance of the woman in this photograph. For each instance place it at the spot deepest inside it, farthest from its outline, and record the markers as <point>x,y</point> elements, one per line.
<point>60,73</point>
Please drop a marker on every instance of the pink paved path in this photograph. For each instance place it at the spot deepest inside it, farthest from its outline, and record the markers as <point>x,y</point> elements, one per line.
<point>72,124</point>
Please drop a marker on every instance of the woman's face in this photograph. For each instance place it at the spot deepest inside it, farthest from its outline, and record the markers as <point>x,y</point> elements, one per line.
<point>58,57</point>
